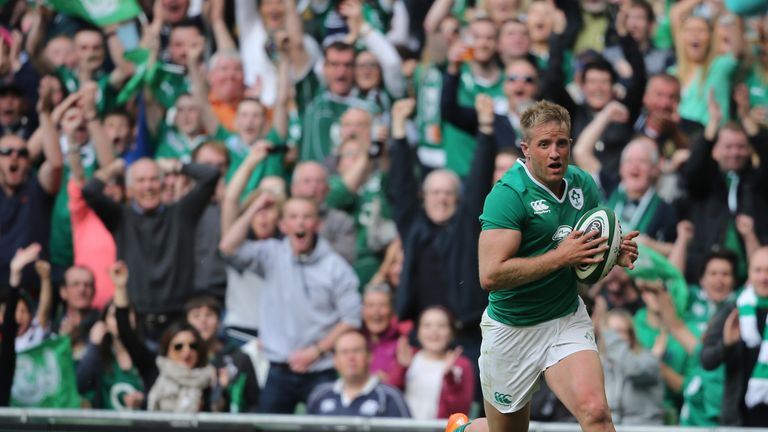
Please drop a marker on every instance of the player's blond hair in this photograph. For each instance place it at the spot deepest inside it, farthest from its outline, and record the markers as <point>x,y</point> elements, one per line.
<point>543,112</point>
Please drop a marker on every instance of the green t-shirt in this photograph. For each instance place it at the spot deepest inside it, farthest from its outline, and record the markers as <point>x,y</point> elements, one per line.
<point>271,165</point>
<point>693,101</point>
<point>176,145</point>
<point>520,202</point>
<point>116,383</point>
<point>428,83</point>
<point>106,97</point>
<point>321,125</point>
<point>61,246</point>
<point>702,389</point>
<point>369,207</point>
<point>459,145</point>
<point>758,87</point>
<point>675,356</point>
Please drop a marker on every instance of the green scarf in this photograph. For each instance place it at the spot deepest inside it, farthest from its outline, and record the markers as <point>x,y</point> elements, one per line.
<point>757,386</point>
<point>643,214</point>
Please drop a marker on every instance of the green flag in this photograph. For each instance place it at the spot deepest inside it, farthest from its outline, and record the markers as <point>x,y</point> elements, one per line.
<point>99,12</point>
<point>45,376</point>
<point>651,265</point>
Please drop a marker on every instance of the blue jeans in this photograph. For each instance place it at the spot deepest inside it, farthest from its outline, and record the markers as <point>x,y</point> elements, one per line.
<point>284,388</point>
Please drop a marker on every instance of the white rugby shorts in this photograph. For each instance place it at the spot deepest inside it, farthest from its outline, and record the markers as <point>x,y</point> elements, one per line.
<point>512,359</point>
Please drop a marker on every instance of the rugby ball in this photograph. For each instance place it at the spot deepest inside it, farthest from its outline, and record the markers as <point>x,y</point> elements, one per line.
<point>603,220</point>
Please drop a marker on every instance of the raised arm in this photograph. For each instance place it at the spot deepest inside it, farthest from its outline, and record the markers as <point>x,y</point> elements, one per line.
<point>389,60</point>
<point>298,55</point>
<point>49,174</point>
<point>233,238</point>
<point>439,10</point>
<point>205,177</point>
<point>221,35</point>
<point>154,113</point>
<point>200,87</point>
<point>633,100</point>
<point>480,178</point>
<point>35,43</point>
<point>123,68</point>
<point>584,148</point>
<point>107,210</point>
<point>105,154</point>
<point>403,187</point>
<point>679,253</point>
<point>230,206</point>
<point>140,355</point>
<point>45,303</point>
<point>464,118</point>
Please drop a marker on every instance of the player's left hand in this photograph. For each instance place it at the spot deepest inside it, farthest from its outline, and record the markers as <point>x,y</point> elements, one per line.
<point>629,252</point>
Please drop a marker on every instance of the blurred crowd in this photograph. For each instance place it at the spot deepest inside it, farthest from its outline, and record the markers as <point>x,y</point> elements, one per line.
<point>272,205</point>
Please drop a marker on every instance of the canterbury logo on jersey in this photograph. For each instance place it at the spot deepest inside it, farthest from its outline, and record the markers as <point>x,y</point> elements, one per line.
<point>539,207</point>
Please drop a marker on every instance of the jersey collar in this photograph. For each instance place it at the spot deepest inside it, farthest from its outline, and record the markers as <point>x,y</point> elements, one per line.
<point>544,187</point>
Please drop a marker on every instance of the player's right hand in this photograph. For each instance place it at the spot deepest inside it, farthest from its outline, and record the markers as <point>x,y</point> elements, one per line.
<point>580,248</point>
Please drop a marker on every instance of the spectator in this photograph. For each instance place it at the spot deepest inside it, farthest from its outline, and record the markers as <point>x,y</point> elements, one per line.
<point>27,198</point>
<point>633,384</point>
<point>310,297</point>
<point>481,75</point>
<point>244,287</point>
<point>13,121</point>
<point>514,41</point>
<point>635,200</point>
<point>618,290</point>
<point>661,121</point>
<point>700,70</point>
<point>322,114</point>
<point>237,388</point>
<point>179,139</point>
<point>310,181</point>
<point>14,319</point>
<point>734,339</point>
<point>76,317</point>
<point>93,246</point>
<point>356,392</point>
<point>722,184</point>
<point>179,377</point>
<point>437,379</point>
<point>440,256</point>
<point>597,87</point>
<point>106,375</point>
<point>360,191</point>
<point>382,332</point>
<point>150,234</point>
<point>210,273</point>
<point>261,25</point>
<point>638,20</point>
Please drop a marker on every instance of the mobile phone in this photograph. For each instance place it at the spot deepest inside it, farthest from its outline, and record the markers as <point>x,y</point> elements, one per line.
<point>278,149</point>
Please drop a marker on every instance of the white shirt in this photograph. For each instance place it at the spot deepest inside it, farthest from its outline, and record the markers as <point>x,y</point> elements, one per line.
<point>423,383</point>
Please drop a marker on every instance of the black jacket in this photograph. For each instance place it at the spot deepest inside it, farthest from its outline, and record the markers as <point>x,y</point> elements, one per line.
<point>708,199</point>
<point>159,248</point>
<point>440,261</point>
<point>739,362</point>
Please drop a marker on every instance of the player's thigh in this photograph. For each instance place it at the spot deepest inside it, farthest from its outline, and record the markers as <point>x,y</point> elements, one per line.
<point>511,422</point>
<point>577,381</point>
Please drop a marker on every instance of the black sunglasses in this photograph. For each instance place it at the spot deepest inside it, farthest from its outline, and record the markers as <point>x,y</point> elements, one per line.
<point>22,153</point>
<point>179,346</point>
<point>527,78</point>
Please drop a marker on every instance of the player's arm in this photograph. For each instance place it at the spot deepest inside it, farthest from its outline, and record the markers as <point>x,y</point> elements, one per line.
<point>500,268</point>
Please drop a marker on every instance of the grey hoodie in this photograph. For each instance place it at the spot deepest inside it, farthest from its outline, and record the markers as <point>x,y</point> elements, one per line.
<point>303,297</point>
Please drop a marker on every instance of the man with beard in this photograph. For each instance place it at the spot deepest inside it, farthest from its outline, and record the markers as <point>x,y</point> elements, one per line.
<point>309,299</point>
<point>26,199</point>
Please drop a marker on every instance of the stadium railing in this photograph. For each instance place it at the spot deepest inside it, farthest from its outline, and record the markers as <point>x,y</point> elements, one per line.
<point>99,420</point>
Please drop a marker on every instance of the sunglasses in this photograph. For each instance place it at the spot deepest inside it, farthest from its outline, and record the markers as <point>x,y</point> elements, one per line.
<point>22,153</point>
<point>179,346</point>
<point>527,78</point>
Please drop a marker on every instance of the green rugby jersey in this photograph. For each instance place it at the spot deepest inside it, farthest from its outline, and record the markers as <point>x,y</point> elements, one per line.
<point>520,202</point>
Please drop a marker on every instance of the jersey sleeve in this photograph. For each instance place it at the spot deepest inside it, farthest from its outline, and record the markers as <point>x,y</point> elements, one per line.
<point>503,209</point>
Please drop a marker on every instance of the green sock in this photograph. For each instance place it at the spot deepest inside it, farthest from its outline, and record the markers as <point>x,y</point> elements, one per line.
<point>462,428</point>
